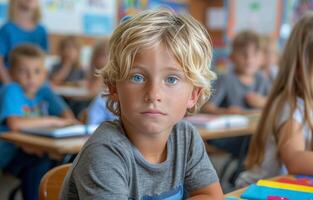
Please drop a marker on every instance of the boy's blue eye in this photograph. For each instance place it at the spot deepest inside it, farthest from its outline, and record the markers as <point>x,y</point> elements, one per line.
<point>137,78</point>
<point>172,80</point>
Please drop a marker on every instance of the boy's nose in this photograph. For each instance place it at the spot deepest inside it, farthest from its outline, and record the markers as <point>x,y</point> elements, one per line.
<point>153,92</point>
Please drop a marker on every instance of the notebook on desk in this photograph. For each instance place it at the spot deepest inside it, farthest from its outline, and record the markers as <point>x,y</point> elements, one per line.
<point>62,132</point>
<point>217,122</point>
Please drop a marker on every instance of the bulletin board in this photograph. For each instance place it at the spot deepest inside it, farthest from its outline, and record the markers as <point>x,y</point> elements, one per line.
<point>130,7</point>
<point>80,17</point>
<point>262,16</point>
<point>77,17</point>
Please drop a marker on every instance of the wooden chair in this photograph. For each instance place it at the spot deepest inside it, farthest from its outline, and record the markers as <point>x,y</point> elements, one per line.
<point>52,181</point>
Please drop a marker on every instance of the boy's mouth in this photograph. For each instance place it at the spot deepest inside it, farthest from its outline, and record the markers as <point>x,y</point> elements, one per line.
<point>153,112</point>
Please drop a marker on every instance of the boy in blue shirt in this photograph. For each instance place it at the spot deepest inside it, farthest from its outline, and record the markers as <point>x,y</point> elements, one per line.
<point>28,102</point>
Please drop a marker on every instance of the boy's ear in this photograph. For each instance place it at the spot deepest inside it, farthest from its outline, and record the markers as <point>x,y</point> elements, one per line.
<point>113,91</point>
<point>194,97</point>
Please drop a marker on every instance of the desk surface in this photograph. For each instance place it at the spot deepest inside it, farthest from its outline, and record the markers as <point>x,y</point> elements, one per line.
<point>231,132</point>
<point>74,92</point>
<point>56,148</point>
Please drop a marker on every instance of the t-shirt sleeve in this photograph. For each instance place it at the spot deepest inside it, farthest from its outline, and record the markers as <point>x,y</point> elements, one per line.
<point>11,102</point>
<point>101,173</point>
<point>199,171</point>
<point>98,112</point>
<point>56,104</point>
<point>44,43</point>
<point>263,85</point>
<point>4,46</point>
<point>219,92</point>
<point>285,115</point>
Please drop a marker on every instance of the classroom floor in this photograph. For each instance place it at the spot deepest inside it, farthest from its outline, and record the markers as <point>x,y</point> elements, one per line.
<point>8,182</point>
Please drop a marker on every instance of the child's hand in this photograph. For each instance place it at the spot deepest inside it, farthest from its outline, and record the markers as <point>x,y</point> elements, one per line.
<point>59,122</point>
<point>255,100</point>
<point>30,150</point>
<point>234,110</point>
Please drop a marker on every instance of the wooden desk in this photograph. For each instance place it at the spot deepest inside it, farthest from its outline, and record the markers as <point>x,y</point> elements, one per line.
<point>74,92</point>
<point>55,148</point>
<point>231,132</point>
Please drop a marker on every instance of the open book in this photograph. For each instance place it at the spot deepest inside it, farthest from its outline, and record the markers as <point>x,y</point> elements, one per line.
<point>217,122</point>
<point>61,132</point>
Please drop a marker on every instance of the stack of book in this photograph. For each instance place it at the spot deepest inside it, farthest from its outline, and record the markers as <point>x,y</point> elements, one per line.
<point>217,122</point>
<point>285,188</point>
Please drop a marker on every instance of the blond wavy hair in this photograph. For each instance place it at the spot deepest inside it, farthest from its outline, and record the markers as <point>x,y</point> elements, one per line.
<point>184,36</point>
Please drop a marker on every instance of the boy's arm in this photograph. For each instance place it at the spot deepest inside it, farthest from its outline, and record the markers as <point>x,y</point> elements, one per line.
<point>68,114</point>
<point>213,109</point>
<point>297,159</point>
<point>255,100</point>
<point>212,191</point>
<point>17,123</point>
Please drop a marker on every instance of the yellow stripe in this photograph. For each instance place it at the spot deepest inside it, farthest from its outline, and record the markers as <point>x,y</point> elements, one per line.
<point>288,186</point>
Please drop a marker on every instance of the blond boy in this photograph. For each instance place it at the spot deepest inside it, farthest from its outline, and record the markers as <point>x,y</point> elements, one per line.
<point>156,72</point>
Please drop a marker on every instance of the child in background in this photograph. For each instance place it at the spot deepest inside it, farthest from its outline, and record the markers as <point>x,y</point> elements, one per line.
<point>283,141</point>
<point>243,89</point>
<point>69,69</point>
<point>240,91</point>
<point>98,112</point>
<point>270,56</point>
<point>98,61</point>
<point>27,103</point>
<point>157,70</point>
<point>23,27</point>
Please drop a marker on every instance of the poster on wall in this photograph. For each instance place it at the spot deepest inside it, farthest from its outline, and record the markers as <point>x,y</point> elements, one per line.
<point>3,11</point>
<point>130,7</point>
<point>80,17</point>
<point>88,17</point>
<point>262,16</point>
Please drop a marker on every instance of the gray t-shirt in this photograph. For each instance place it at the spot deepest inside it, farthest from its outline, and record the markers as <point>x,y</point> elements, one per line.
<point>76,73</point>
<point>109,166</point>
<point>271,165</point>
<point>230,91</point>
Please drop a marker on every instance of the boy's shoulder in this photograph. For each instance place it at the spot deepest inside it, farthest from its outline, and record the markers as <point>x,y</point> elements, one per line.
<point>6,26</point>
<point>109,133</point>
<point>184,131</point>
<point>12,87</point>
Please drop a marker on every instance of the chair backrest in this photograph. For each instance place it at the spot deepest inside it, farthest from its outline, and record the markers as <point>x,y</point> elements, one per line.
<point>52,181</point>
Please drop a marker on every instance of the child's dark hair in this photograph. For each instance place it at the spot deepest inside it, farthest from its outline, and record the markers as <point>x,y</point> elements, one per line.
<point>68,40</point>
<point>25,50</point>
<point>246,38</point>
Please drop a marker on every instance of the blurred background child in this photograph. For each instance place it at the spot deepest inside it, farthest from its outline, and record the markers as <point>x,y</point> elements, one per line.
<point>97,111</point>
<point>283,141</point>
<point>98,60</point>
<point>242,89</point>
<point>22,27</point>
<point>270,58</point>
<point>28,102</point>
<point>69,69</point>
